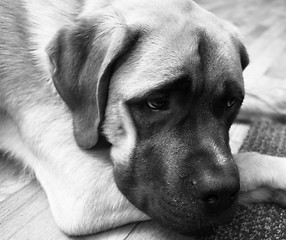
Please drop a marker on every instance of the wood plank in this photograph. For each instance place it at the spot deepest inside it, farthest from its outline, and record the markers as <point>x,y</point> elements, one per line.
<point>25,215</point>
<point>258,68</point>
<point>12,176</point>
<point>277,68</point>
<point>152,231</point>
<point>20,209</point>
<point>121,233</point>
<point>16,201</point>
<point>42,226</point>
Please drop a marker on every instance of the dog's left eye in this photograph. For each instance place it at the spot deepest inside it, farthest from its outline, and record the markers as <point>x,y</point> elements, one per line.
<point>158,104</point>
<point>230,102</point>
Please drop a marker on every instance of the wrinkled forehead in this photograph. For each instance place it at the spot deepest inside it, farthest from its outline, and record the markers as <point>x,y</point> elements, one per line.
<point>199,47</point>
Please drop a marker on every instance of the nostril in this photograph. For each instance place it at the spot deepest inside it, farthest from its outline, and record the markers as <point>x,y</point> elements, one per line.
<point>219,199</point>
<point>216,194</point>
<point>211,199</point>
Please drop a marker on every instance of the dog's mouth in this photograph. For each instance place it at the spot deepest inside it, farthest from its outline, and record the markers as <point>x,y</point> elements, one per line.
<point>187,190</point>
<point>188,216</point>
<point>177,209</point>
<point>189,219</point>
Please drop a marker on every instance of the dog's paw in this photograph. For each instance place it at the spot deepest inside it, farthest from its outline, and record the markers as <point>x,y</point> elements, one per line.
<point>261,171</point>
<point>262,178</point>
<point>263,194</point>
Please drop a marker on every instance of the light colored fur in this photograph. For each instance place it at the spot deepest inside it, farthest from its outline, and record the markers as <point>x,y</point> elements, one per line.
<point>262,178</point>
<point>76,185</point>
<point>46,18</point>
<point>79,184</point>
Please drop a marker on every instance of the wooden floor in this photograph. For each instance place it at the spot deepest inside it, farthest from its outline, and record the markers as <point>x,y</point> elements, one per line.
<point>24,211</point>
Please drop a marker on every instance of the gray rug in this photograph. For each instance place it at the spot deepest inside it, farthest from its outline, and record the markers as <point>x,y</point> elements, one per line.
<point>259,221</point>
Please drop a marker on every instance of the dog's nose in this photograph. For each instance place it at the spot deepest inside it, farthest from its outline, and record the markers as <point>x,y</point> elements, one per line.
<point>217,193</point>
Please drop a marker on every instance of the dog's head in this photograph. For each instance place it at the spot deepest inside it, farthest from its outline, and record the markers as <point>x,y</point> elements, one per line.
<point>164,82</point>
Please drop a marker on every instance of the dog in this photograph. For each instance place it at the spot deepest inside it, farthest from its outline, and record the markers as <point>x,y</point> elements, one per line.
<point>122,108</point>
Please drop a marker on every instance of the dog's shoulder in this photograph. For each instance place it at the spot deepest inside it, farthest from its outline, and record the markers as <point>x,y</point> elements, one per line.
<point>46,18</point>
<point>26,28</point>
<point>14,42</point>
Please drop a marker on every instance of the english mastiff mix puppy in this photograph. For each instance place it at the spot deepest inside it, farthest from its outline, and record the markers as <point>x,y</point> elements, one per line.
<point>121,108</point>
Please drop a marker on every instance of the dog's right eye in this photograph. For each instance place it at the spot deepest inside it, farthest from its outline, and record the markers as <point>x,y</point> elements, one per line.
<point>158,104</point>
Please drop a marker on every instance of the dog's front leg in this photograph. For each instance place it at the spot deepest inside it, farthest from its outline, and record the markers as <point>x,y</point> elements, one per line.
<point>79,184</point>
<point>262,178</point>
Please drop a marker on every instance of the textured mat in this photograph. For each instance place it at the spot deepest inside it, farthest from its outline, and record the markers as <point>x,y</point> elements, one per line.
<point>259,221</point>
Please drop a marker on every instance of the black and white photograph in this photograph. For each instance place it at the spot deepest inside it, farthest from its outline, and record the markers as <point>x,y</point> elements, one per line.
<point>142,119</point>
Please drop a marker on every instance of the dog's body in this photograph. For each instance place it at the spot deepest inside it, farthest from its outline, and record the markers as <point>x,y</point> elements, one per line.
<point>56,61</point>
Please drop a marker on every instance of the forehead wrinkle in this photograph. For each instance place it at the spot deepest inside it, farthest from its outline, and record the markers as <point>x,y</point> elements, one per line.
<point>153,65</point>
<point>144,85</point>
<point>165,85</point>
<point>162,59</point>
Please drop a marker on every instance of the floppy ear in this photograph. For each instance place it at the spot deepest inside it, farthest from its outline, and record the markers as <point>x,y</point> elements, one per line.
<point>82,56</point>
<point>244,59</point>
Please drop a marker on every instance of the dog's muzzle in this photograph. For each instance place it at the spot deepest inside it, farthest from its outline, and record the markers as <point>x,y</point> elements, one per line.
<point>186,191</point>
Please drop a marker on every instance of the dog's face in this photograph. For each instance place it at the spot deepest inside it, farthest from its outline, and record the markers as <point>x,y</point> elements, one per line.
<point>175,87</point>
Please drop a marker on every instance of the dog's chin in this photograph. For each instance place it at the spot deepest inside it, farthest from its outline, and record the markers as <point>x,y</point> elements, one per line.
<point>185,216</point>
<point>192,220</point>
<point>198,226</point>
<point>173,209</point>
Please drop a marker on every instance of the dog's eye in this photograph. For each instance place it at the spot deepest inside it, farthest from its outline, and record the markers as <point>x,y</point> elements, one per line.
<point>233,101</point>
<point>158,104</point>
<point>230,102</point>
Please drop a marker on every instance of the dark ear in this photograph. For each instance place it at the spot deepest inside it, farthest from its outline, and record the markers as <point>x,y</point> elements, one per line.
<point>82,57</point>
<point>244,59</point>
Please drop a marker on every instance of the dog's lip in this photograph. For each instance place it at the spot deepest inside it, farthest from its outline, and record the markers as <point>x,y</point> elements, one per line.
<point>198,226</point>
<point>183,214</point>
<point>192,222</point>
